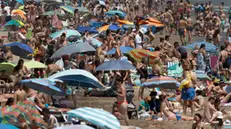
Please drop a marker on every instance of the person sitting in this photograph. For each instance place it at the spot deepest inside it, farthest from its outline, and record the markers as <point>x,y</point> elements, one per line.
<point>198,124</point>
<point>50,119</point>
<point>144,108</point>
<point>9,102</point>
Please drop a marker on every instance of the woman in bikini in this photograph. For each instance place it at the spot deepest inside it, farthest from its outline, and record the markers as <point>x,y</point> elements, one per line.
<point>164,110</point>
<point>121,98</point>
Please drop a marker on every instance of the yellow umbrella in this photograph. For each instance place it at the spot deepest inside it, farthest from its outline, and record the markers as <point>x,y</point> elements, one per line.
<point>7,67</point>
<point>21,7</point>
<point>35,64</point>
<point>138,54</point>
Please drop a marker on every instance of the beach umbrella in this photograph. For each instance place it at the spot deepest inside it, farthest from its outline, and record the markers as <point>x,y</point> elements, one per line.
<point>82,9</point>
<point>209,47</point>
<point>138,54</point>
<point>7,67</point>
<point>161,82</point>
<point>21,7</point>
<point>153,20</point>
<point>125,22</point>
<point>83,29</point>
<point>20,49</point>
<point>72,49</point>
<point>32,64</point>
<point>68,33</point>
<point>96,24</point>
<point>7,126</point>
<point>74,127</point>
<point>112,27</point>
<point>77,77</point>
<point>95,43</point>
<point>43,85</point>
<point>98,117</point>
<point>68,8</point>
<point>115,12</point>
<point>26,109</point>
<point>20,1</point>
<point>52,13</point>
<point>19,12</point>
<point>115,65</point>
<point>14,23</point>
<point>123,49</point>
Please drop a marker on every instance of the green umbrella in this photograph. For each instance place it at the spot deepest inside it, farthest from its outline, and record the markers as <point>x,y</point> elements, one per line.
<point>7,67</point>
<point>51,13</point>
<point>34,64</point>
<point>83,9</point>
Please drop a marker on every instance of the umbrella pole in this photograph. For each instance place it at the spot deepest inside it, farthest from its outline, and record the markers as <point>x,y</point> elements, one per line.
<point>73,98</point>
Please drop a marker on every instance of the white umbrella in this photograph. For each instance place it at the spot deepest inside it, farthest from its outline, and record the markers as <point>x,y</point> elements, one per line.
<point>75,127</point>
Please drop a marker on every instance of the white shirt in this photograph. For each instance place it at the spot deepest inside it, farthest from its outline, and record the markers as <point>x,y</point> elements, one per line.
<point>7,9</point>
<point>138,41</point>
<point>56,124</point>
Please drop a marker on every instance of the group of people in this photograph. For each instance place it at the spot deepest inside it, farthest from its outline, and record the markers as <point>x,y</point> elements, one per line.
<point>177,17</point>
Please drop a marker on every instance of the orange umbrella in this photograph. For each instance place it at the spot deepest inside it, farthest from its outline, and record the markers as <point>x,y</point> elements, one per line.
<point>155,24</point>
<point>154,20</point>
<point>138,54</point>
<point>20,13</point>
<point>125,22</point>
<point>104,28</point>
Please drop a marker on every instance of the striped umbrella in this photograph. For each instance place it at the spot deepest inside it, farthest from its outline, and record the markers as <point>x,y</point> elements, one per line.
<point>138,54</point>
<point>161,82</point>
<point>98,117</point>
<point>26,109</point>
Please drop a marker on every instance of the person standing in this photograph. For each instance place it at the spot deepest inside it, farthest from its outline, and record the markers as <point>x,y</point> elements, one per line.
<point>121,98</point>
<point>201,65</point>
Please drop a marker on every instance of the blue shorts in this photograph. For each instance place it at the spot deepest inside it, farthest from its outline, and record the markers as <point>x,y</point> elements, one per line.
<point>188,93</point>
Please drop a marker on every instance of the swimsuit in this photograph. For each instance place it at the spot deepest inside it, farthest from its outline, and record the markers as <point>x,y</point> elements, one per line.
<point>121,102</point>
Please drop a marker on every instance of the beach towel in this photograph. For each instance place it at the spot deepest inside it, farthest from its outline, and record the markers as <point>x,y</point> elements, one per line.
<point>174,70</point>
<point>213,61</point>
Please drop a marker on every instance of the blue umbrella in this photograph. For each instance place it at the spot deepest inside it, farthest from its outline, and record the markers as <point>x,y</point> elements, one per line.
<point>123,49</point>
<point>209,47</point>
<point>67,31</point>
<point>98,117</point>
<point>115,12</point>
<point>115,65</point>
<point>20,1</point>
<point>96,24</point>
<point>7,126</point>
<point>43,85</point>
<point>114,27</point>
<point>78,77</point>
<point>20,49</point>
<point>161,82</point>
<point>72,49</point>
<point>83,29</point>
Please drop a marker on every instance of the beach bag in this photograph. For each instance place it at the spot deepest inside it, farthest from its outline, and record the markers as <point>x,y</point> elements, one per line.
<point>143,114</point>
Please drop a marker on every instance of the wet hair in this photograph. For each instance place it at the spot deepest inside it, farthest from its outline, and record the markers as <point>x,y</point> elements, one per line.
<point>198,115</point>
<point>202,46</point>
<point>222,48</point>
<point>199,92</point>
<point>157,49</point>
<point>19,65</point>
<point>166,37</point>
<point>161,39</point>
<point>46,111</point>
<point>176,43</point>
<point>211,98</point>
<point>9,101</point>
<point>119,79</point>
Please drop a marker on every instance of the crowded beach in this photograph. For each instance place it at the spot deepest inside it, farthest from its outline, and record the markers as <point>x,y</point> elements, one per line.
<point>115,64</point>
